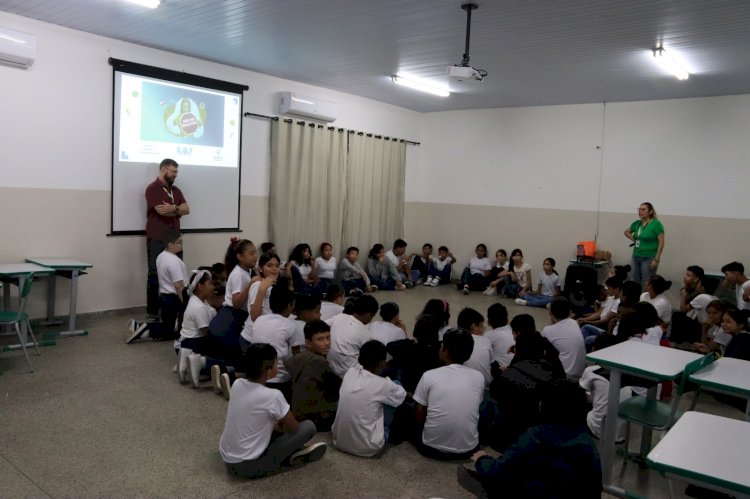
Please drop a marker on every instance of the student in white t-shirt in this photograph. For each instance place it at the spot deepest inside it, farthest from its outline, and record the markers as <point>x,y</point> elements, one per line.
<point>258,298</point>
<point>333,304</point>
<point>279,331</point>
<point>194,339</point>
<point>499,266</point>
<point>249,445</point>
<point>397,256</point>
<point>349,333</point>
<point>548,286</point>
<point>655,288</point>
<point>476,273</point>
<point>565,336</point>
<point>734,275</point>
<point>500,335</point>
<point>448,401</point>
<point>517,278</point>
<point>482,354</point>
<point>361,427</point>
<point>239,261</point>
<point>439,270</point>
<point>326,265</point>
<point>302,270</point>
<point>596,323</point>
<point>173,279</point>
<point>713,339</point>
<point>390,328</point>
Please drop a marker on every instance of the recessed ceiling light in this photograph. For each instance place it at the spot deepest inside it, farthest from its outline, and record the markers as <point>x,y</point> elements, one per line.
<point>417,84</point>
<point>670,64</point>
<point>151,4</point>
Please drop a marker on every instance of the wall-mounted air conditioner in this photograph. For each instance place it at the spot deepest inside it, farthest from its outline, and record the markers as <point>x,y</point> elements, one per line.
<point>308,107</point>
<point>16,48</point>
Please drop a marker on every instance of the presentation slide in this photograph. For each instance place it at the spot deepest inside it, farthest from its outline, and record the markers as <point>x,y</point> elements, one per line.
<point>160,119</point>
<point>199,127</point>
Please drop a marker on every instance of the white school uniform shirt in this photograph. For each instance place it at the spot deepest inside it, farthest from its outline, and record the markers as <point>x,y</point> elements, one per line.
<point>348,334</point>
<point>440,264</point>
<point>501,339</point>
<point>326,268</point>
<point>598,387</point>
<point>395,260</point>
<point>386,332</point>
<point>442,331</point>
<point>566,337</point>
<point>481,358</point>
<point>238,280</point>
<point>304,269</point>
<point>661,304</point>
<point>742,304</point>
<point>170,269</point>
<point>521,274</point>
<point>549,283</point>
<point>281,333</point>
<point>247,328</point>
<point>720,337</point>
<point>253,411</point>
<point>610,306</point>
<point>358,426</point>
<point>198,315</point>
<point>452,395</point>
<point>479,265</point>
<point>329,310</point>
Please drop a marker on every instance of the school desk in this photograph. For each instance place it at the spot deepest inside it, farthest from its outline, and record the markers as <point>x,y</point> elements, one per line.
<point>728,376</point>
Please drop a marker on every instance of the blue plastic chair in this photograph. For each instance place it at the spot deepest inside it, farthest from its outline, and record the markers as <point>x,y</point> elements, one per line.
<point>20,316</point>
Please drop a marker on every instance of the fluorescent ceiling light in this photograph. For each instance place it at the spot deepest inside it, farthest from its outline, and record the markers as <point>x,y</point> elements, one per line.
<point>670,64</point>
<point>416,84</point>
<point>151,4</point>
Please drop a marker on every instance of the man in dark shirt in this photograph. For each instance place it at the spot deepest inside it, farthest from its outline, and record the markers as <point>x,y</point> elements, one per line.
<point>165,205</point>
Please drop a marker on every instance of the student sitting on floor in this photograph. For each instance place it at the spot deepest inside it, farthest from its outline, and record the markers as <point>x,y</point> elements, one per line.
<point>259,296</point>
<point>734,323</point>
<point>548,286</point>
<point>501,265</point>
<point>173,281</point>
<point>249,446</point>
<point>596,323</point>
<point>654,294</point>
<point>440,310</point>
<point>517,278</point>
<point>381,270</point>
<point>597,385</point>
<point>359,427</point>
<point>412,358</point>
<point>474,277</point>
<point>439,271</point>
<point>558,458</point>
<point>713,339</point>
<point>565,336</point>
<point>391,328</point>
<point>734,275</point>
<point>278,331</point>
<point>421,263</point>
<point>315,387</point>
<point>448,401</point>
<point>333,304</point>
<point>352,276</point>
<point>326,265</point>
<point>401,262</point>
<point>501,334</point>
<point>306,310</point>
<point>481,355</point>
<point>301,270</point>
<point>349,333</point>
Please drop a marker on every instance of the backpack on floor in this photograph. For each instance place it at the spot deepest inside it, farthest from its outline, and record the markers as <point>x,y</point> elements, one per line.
<point>580,285</point>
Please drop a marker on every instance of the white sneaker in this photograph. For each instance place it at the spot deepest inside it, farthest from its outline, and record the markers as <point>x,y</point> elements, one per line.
<point>182,365</point>
<point>435,282</point>
<point>139,331</point>
<point>225,385</point>
<point>195,363</point>
<point>466,290</point>
<point>520,301</point>
<point>131,326</point>
<point>308,454</point>
<point>216,378</point>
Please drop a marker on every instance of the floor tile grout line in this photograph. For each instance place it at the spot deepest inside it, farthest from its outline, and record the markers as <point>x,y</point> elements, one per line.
<point>25,475</point>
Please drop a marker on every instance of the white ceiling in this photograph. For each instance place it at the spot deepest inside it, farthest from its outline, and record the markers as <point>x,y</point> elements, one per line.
<point>537,52</point>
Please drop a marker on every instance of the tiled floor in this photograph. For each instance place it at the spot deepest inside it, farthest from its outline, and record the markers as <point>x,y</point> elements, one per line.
<point>101,418</point>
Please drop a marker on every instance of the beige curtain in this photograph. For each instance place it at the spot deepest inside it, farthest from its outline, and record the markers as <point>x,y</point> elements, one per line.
<point>308,186</point>
<point>376,168</point>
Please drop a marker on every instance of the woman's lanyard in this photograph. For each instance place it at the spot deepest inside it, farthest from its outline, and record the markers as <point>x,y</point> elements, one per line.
<point>641,229</point>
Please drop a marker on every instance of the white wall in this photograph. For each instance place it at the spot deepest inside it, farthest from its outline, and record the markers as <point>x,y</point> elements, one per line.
<point>56,140</point>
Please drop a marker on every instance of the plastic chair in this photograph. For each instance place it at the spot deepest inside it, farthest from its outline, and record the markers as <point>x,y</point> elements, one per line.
<point>658,415</point>
<point>18,317</point>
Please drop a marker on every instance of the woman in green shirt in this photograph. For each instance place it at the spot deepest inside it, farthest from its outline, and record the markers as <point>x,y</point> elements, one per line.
<point>647,234</point>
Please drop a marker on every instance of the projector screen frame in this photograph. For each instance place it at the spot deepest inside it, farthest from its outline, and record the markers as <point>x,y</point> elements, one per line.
<point>181,78</point>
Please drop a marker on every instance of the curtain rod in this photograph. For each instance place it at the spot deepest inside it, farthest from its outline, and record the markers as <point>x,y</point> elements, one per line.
<point>288,120</point>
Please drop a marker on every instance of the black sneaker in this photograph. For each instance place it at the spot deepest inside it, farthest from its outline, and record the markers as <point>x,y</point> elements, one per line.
<point>356,292</point>
<point>468,480</point>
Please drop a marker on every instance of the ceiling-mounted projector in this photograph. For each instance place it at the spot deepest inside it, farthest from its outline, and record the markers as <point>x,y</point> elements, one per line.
<point>464,71</point>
